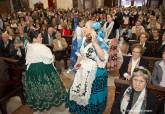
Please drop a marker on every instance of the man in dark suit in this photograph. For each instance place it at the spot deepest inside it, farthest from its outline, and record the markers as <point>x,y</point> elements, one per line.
<point>7,46</point>
<point>6,50</point>
<point>48,36</point>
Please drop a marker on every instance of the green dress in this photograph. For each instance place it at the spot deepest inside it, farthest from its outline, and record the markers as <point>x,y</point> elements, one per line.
<point>43,86</point>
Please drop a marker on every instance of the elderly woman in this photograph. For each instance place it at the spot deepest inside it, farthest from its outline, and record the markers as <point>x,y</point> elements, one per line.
<point>137,30</point>
<point>146,46</point>
<point>136,99</point>
<point>131,62</point>
<point>88,92</point>
<point>158,75</point>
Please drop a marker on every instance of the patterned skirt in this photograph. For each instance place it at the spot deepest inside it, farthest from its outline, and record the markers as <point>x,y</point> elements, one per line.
<point>97,101</point>
<point>43,87</point>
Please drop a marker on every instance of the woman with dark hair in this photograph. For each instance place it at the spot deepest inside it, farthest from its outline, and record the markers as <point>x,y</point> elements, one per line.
<point>43,86</point>
<point>136,99</point>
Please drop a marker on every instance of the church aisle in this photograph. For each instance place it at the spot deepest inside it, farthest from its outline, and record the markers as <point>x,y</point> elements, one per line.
<point>67,79</point>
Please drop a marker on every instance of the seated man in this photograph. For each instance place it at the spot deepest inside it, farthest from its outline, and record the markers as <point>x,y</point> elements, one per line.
<point>6,46</point>
<point>6,50</point>
<point>158,75</point>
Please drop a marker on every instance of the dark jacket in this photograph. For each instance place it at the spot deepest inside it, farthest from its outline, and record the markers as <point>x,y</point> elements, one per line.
<point>151,103</point>
<point>45,39</point>
<point>9,50</point>
<point>147,50</point>
<point>124,67</point>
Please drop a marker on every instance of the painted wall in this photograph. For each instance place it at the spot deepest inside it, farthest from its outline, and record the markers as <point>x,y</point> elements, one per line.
<point>65,4</point>
<point>32,2</point>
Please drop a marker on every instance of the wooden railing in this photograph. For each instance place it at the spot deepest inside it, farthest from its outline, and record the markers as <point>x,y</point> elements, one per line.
<point>151,62</point>
<point>12,87</point>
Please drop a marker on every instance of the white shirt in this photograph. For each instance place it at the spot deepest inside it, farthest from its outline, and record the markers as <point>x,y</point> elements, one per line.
<point>37,52</point>
<point>142,44</point>
<point>134,64</point>
<point>50,40</point>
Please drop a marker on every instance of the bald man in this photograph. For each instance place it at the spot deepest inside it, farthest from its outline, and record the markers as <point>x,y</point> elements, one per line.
<point>6,46</point>
<point>48,36</point>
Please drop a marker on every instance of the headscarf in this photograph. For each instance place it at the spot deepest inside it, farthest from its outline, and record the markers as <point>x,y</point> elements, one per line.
<point>100,36</point>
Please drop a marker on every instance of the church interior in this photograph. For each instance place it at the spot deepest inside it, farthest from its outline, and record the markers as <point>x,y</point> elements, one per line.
<point>82,56</point>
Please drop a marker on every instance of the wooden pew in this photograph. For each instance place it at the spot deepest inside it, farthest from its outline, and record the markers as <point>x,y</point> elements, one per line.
<point>8,90</point>
<point>158,91</point>
<point>15,68</point>
<point>12,87</point>
<point>151,62</point>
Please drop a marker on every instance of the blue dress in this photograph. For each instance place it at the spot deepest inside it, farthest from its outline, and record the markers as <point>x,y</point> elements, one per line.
<point>88,93</point>
<point>76,44</point>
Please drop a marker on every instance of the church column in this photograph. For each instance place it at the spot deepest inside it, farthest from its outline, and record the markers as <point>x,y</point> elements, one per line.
<point>164,3</point>
<point>80,4</point>
<point>88,4</point>
<point>31,5</point>
<point>99,3</point>
<point>119,3</point>
<point>93,4</point>
<point>83,4</point>
<point>11,5</point>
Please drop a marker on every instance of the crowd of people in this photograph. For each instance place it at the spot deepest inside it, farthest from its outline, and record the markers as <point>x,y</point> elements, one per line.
<point>100,43</point>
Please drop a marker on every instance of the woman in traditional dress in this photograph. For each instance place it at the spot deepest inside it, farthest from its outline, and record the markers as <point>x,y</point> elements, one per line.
<point>88,92</point>
<point>76,43</point>
<point>43,86</point>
